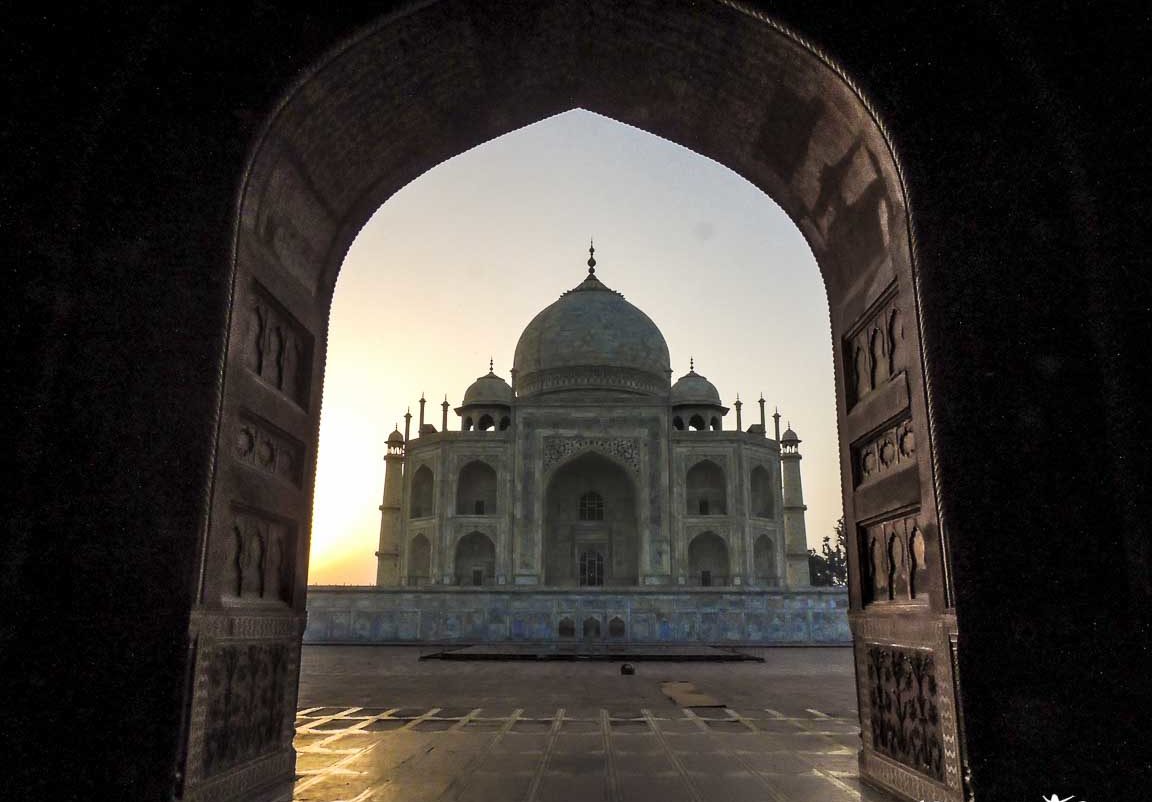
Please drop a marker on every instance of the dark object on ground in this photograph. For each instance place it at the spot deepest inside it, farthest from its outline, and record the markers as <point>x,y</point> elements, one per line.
<point>628,669</point>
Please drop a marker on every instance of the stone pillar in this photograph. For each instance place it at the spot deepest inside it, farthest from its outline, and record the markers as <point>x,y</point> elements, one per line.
<point>795,536</point>
<point>388,555</point>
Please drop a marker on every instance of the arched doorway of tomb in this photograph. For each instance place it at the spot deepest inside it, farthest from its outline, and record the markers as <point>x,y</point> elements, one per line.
<point>708,564</point>
<point>591,535</point>
<point>475,561</point>
<point>793,125</point>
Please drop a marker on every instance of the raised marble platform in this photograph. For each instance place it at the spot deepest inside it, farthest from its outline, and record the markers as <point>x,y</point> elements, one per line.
<point>641,615</point>
<point>637,652</point>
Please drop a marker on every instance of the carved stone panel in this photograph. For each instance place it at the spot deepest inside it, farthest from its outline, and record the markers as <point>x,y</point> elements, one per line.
<point>625,449</point>
<point>875,350</point>
<point>245,715</point>
<point>261,559</point>
<point>904,707</point>
<point>261,445</point>
<point>882,453</point>
<point>893,561</point>
<point>277,348</point>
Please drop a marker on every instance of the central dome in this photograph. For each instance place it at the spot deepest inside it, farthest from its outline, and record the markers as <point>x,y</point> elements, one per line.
<point>591,339</point>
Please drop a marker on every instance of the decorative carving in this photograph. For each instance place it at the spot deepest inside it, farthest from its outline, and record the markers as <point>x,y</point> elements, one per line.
<point>895,565</point>
<point>904,706</point>
<point>917,572</point>
<point>884,452</point>
<point>277,348</point>
<point>261,445</point>
<point>876,350</point>
<point>248,685</point>
<point>591,376</point>
<point>208,623</point>
<point>240,783</point>
<point>903,780</point>
<point>261,560</point>
<point>559,449</point>
<point>961,758</point>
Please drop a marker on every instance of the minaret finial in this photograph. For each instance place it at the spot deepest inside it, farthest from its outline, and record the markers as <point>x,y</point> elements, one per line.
<point>490,364</point>
<point>691,364</point>
<point>591,257</point>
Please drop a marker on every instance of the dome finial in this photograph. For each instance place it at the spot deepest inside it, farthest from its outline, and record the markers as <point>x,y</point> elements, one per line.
<point>691,364</point>
<point>591,257</point>
<point>490,365</point>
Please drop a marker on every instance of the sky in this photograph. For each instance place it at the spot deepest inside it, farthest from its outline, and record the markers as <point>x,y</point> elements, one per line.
<point>450,270</point>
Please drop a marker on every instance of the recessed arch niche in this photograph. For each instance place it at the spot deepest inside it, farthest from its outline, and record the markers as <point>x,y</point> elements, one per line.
<point>591,524</point>
<point>385,105</point>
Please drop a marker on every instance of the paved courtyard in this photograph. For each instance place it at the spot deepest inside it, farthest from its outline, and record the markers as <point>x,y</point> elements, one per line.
<point>376,723</point>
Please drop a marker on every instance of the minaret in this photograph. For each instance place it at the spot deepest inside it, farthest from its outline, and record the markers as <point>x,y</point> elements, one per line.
<point>388,556</point>
<point>763,424</point>
<point>420,428</point>
<point>795,535</point>
<point>444,417</point>
<point>776,419</point>
<point>739,423</point>
<point>407,424</point>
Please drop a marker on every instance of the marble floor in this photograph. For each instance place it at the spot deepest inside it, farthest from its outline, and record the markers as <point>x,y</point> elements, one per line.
<point>377,723</point>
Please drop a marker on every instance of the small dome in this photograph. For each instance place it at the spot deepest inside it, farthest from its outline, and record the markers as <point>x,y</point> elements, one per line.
<point>692,388</point>
<point>489,389</point>
<point>789,436</point>
<point>395,439</point>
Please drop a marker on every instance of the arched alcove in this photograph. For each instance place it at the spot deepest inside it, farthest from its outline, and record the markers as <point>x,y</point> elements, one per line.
<point>708,564</point>
<point>763,492</point>
<point>419,561</point>
<point>591,532</point>
<point>420,499</point>
<point>705,489</point>
<point>475,560</point>
<point>764,563</point>
<point>476,489</point>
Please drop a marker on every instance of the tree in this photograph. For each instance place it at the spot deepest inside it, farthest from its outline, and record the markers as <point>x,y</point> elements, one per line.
<point>830,567</point>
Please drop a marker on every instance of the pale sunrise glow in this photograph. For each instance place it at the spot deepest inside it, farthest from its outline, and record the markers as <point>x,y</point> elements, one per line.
<point>451,269</point>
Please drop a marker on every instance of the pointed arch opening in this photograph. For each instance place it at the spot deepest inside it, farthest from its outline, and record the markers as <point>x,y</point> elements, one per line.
<point>475,560</point>
<point>419,561</point>
<point>591,534</point>
<point>708,560</point>
<point>807,139</point>
<point>763,492</point>
<point>421,502</point>
<point>764,563</point>
<point>476,489</point>
<point>706,489</point>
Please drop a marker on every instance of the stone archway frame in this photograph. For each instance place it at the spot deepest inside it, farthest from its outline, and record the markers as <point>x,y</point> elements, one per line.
<point>437,78</point>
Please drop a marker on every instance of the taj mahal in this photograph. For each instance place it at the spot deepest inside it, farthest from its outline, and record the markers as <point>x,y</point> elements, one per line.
<point>590,497</point>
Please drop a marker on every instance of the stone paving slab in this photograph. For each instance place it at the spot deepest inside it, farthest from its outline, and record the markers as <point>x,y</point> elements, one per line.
<point>611,740</point>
